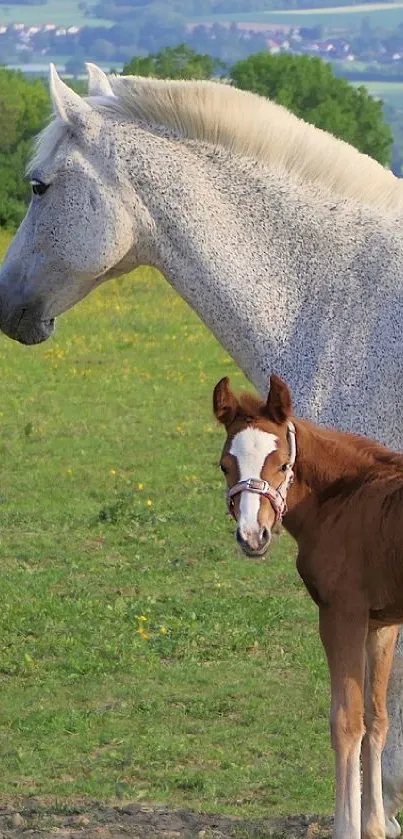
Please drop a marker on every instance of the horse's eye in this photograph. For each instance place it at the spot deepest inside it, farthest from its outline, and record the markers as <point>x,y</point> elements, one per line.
<point>223,468</point>
<point>39,188</point>
<point>284,467</point>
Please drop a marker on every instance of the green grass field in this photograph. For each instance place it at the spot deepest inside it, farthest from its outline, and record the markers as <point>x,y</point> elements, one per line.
<point>61,12</point>
<point>386,15</point>
<point>142,658</point>
<point>68,12</point>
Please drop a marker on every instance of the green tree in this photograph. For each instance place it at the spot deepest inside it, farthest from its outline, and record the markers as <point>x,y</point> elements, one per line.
<point>308,87</point>
<point>24,107</point>
<point>179,62</point>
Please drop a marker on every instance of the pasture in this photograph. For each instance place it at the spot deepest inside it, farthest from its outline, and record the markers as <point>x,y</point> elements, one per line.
<point>142,659</point>
<point>386,15</point>
<point>390,92</point>
<point>60,12</point>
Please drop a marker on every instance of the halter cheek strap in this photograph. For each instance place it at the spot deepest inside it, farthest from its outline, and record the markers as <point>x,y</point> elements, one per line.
<point>276,495</point>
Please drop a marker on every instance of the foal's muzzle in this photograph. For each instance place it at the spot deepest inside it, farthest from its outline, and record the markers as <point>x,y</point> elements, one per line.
<point>254,544</point>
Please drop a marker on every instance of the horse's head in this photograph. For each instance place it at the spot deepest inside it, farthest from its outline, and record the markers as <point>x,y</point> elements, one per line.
<point>81,222</point>
<point>257,459</point>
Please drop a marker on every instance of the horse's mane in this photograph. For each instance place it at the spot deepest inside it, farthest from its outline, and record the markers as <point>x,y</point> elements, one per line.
<point>245,124</point>
<point>250,125</point>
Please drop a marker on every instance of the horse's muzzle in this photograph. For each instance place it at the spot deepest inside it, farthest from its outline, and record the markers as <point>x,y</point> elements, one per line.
<point>27,328</point>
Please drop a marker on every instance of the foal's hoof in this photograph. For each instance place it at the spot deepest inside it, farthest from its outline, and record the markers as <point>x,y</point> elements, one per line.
<point>392,828</point>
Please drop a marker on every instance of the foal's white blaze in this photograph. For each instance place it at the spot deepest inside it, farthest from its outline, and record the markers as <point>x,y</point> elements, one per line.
<point>251,447</point>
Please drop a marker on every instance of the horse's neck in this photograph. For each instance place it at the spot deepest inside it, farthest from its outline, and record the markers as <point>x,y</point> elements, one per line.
<point>226,238</point>
<point>212,246</point>
<point>275,269</point>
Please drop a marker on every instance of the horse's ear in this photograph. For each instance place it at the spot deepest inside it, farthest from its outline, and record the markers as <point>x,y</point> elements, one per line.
<point>225,403</point>
<point>98,82</point>
<point>67,104</point>
<point>279,403</point>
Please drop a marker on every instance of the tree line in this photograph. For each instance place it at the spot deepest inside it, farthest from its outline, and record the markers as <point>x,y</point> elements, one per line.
<point>305,85</point>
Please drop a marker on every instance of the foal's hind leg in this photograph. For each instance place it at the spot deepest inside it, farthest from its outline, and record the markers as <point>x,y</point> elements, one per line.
<point>392,756</point>
<point>380,648</point>
<point>343,632</point>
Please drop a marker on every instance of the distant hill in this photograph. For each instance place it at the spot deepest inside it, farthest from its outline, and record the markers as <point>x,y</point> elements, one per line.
<point>60,12</point>
<point>387,15</point>
<point>119,10</point>
<point>174,15</point>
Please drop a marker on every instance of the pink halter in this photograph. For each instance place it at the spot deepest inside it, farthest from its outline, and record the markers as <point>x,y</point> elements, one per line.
<point>276,495</point>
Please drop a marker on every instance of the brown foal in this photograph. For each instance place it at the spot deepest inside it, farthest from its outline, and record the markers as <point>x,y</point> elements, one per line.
<point>340,496</point>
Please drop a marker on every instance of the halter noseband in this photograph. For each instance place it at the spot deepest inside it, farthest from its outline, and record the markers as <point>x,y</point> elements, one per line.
<point>276,495</point>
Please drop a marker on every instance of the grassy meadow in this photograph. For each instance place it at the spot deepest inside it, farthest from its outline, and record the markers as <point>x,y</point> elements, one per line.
<point>386,15</point>
<point>60,12</point>
<point>68,13</point>
<point>390,92</point>
<point>142,658</point>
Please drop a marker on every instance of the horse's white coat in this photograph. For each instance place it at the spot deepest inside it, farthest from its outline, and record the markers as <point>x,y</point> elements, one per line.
<point>287,242</point>
<point>251,447</point>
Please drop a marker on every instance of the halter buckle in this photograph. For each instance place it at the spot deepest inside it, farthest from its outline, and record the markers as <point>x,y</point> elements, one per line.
<point>256,485</point>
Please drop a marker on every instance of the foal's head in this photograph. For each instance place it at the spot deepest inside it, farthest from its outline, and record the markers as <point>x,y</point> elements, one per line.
<point>257,459</point>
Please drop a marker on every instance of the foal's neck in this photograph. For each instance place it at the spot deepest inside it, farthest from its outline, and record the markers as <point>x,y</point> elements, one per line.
<point>329,459</point>
<point>326,456</point>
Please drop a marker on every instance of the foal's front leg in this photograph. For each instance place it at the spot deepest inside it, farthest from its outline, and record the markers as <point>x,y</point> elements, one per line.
<point>380,649</point>
<point>343,632</point>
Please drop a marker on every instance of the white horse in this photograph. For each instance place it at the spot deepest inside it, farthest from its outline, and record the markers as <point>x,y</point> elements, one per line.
<point>286,241</point>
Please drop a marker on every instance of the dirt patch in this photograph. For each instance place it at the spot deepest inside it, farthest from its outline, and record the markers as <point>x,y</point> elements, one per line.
<point>139,821</point>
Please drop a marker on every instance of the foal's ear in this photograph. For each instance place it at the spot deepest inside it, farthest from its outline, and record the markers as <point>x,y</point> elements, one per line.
<point>225,403</point>
<point>279,403</point>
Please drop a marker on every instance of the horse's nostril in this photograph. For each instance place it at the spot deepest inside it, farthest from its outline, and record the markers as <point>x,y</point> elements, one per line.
<point>265,534</point>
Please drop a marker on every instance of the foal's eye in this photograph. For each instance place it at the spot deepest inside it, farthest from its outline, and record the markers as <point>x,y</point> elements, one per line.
<point>39,188</point>
<point>284,467</point>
